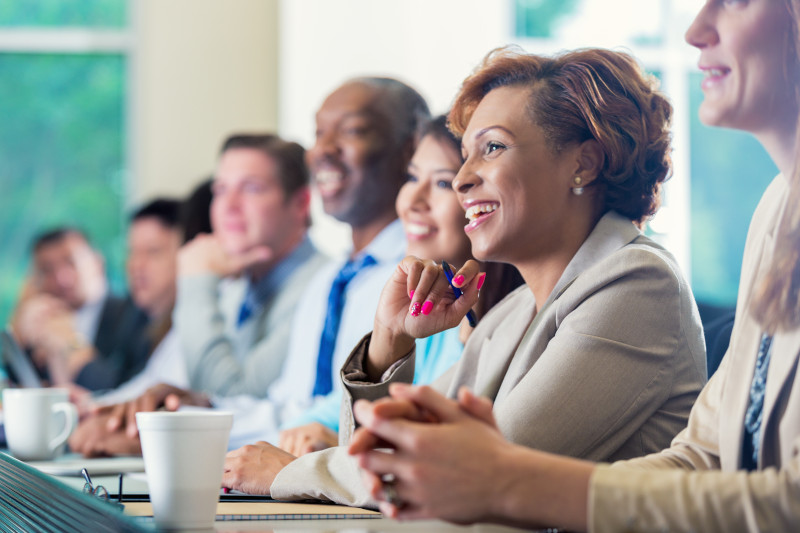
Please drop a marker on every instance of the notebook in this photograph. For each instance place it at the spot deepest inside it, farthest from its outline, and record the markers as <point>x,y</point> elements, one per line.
<point>71,465</point>
<point>271,510</point>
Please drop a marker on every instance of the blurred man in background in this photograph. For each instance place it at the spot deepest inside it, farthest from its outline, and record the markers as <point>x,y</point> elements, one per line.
<point>366,133</point>
<point>154,237</point>
<point>75,329</point>
<point>238,287</point>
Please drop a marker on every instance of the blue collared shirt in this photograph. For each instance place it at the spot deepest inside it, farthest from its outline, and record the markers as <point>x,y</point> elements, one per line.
<point>291,393</point>
<point>261,291</point>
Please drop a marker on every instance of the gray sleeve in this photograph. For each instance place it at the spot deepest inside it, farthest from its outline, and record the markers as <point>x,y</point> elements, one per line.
<point>332,474</point>
<point>357,386</point>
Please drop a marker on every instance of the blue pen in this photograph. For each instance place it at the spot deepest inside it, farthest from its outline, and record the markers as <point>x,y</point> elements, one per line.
<point>448,272</point>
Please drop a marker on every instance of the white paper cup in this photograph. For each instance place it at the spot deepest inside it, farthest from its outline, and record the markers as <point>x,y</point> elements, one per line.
<point>38,422</point>
<point>184,454</point>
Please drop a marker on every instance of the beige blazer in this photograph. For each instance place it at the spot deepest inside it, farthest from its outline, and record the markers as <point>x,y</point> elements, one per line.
<point>607,369</point>
<point>721,498</point>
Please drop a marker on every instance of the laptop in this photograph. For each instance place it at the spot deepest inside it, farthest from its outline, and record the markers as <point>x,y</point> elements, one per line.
<point>16,362</point>
<point>33,501</point>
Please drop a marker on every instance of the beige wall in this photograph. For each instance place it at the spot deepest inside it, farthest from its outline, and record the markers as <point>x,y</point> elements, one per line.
<point>201,69</point>
<point>432,45</point>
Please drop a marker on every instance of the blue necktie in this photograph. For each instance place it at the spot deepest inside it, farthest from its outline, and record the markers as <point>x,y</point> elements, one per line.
<point>324,382</point>
<point>248,306</point>
<point>754,415</point>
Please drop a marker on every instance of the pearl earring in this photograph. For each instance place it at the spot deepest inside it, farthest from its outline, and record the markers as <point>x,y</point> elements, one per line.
<point>577,191</point>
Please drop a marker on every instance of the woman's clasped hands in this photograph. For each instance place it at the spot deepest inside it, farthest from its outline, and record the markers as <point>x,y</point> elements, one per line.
<point>421,441</point>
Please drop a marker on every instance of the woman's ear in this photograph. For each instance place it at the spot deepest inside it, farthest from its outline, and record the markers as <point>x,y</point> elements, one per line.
<point>590,160</point>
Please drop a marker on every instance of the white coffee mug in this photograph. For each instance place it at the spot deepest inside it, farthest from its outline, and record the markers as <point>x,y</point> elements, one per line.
<point>38,422</point>
<point>184,454</point>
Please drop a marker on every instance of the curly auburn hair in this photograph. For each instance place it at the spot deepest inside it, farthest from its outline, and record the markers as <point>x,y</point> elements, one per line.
<point>588,94</point>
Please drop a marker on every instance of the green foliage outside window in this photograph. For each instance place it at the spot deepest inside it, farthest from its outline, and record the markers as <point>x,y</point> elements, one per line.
<point>730,170</point>
<point>538,18</point>
<point>86,13</point>
<point>61,156</point>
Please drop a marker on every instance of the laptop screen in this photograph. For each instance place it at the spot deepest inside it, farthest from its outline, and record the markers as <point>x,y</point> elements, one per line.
<point>17,363</point>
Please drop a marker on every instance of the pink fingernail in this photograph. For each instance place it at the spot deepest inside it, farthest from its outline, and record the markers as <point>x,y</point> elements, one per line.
<point>458,280</point>
<point>481,279</point>
<point>427,307</point>
<point>411,295</point>
<point>416,307</point>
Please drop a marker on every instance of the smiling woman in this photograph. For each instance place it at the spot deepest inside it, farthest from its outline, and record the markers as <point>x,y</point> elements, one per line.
<point>554,191</point>
<point>433,221</point>
<point>599,355</point>
<point>735,69</point>
<point>735,465</point>
<point>427,204</point>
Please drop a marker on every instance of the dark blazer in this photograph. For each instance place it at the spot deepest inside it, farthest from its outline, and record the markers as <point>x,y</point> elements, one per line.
<point>122,345</point>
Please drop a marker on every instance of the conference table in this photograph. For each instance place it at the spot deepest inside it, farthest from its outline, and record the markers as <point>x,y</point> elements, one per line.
<point>245,514</point>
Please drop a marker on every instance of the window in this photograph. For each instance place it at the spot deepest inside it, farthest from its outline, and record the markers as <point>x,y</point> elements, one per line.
<point>62,137</point>
<point>60,13</point>
<point>719,175</point>
<point>730,170</point>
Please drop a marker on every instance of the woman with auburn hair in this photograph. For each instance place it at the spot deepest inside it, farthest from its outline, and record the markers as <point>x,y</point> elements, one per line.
<point>599,354</point>
<point>736,466</point>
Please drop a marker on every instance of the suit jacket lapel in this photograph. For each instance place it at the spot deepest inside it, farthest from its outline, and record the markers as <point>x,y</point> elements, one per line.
<point>611,233</point>
<point>505,339</point>
<point>736,397</point>
<point>785,350</point>
<point>744,347</point>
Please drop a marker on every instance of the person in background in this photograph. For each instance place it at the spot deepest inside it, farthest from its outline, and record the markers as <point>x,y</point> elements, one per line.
<point>600,353</point>
<point>154,238</point>
<point>367,130</point>
<point>195,210</point>
<point>77,331</point>
<point>433,222</point>
<point>155,235</point>
<point>239,286</point>
<point>735,465</point>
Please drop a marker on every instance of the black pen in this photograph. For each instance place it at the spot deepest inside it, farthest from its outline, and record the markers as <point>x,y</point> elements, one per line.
<point>448,272</point>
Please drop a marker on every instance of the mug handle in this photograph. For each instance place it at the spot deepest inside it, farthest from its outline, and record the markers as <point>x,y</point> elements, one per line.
<point>70,421</point>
